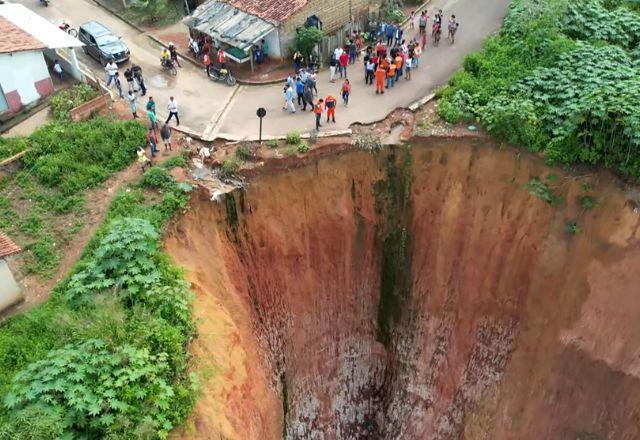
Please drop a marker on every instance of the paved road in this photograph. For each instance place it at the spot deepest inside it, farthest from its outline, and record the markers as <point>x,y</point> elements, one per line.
<point>215,109</point>
<point>199,99</point>
<point>478,19</point>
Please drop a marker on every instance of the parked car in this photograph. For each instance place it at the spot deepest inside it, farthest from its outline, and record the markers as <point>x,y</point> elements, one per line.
<point>102,44</point>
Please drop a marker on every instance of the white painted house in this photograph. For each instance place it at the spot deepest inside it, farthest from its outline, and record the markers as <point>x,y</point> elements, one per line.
<point>27,40</point>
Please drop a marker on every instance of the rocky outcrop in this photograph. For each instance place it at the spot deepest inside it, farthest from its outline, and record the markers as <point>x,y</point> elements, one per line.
<point>421,293</point>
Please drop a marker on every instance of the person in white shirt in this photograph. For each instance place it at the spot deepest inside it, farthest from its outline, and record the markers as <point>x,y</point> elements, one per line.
<point>337,53</point>
<point>172,106</point>
<point>58,69</point>
<point>111,69</point>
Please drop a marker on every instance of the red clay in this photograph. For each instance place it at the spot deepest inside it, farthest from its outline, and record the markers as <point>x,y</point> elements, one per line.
<point>511,328</point>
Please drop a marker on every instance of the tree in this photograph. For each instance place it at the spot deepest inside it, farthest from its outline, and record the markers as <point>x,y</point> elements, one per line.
<point>306,40</point>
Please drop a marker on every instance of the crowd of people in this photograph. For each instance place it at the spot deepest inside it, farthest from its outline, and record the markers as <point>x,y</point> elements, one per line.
<point>387,55</point>
<point>136,88</point>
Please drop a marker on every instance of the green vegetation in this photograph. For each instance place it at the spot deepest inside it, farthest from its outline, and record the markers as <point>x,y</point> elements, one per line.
<point>542,191</point>
<point>302,147</point>
<point>306,40</point>
<point>10,146</point>
<point>154,12</point>
<point>107,355</point>
<point>231,164</point>
<point>273,143</point>
<point>63,101</point>
<point>391,11</point>
<point>561,78</point>
<point>392,208</point>
<point>42,205</point>
<point>292,138</point>
<point>244,151</point>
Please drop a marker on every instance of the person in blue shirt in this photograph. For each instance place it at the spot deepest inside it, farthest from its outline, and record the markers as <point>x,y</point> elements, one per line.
<point>300,90</point>
<point>391,32</point>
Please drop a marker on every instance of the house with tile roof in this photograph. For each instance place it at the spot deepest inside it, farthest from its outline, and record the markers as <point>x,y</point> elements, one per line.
<point>10,292</point>
<point>27,39</point>
<point>238,25</point>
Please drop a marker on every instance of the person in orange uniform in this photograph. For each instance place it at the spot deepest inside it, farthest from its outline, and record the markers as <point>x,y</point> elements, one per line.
<point>380,75</point>
<point>318,111</point>
<point>330,104</point>
<point>391,75</point>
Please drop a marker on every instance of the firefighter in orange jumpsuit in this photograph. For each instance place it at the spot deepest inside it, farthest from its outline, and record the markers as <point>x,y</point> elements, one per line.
<point>330,104</point>
<point>380,76</point>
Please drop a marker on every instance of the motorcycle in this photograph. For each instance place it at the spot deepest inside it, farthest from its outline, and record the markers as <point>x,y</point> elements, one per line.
<point>45,2</point>
<point>66,27</point>
<point>221,74</point>
<point>169,66</point>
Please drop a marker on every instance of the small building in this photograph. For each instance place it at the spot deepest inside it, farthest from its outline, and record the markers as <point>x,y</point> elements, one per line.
<point>241,24</point>
<point>27,41</point>
<point>10,293</point>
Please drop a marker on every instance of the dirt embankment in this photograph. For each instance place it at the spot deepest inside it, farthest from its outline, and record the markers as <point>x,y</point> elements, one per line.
<point>415,295</point>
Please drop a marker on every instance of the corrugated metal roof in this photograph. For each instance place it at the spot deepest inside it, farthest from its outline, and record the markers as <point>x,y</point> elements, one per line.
<point>229,24</point>
<point>7,247</point>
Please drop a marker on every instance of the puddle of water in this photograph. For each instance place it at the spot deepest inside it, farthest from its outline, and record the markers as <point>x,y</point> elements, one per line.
<point>158,81</point>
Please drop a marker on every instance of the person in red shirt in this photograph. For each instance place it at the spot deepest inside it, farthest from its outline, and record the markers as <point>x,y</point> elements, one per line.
<point>344,62</point>
<point>380,76</point>
<point>318,111</point>
<point>346,91</point>
<point>207,62</point>
<point>330,104</point>
<point>222,57</point>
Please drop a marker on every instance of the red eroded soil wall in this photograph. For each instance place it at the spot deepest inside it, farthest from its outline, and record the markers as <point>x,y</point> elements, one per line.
<point>501,325</point>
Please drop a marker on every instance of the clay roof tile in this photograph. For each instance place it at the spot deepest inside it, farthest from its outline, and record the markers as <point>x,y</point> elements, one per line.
<point>7,247</point>
<point>271,10</point>
<point>15,39</point>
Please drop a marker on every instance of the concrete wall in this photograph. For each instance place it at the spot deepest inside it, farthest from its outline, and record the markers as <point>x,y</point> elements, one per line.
<point>335,14</point>
<point>24,78</point>
<point>66,58</point>
<point>273,40</point>
<point>9,290</point>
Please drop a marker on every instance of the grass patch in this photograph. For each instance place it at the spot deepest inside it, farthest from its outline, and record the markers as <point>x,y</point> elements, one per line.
<point>116,331</point>
<point>292,138</point>
<point>42,204</point>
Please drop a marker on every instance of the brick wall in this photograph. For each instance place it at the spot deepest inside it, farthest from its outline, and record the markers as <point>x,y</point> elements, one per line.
<point>333,13</point>
<point>84,111</point>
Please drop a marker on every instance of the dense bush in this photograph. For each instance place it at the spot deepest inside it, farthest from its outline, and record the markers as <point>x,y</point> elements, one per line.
<point>155,12</point>
<point>63,101</point>
<point>306,40</point>
<point>10,146</point>
<point>561,78</point>
<point>107,355</point>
